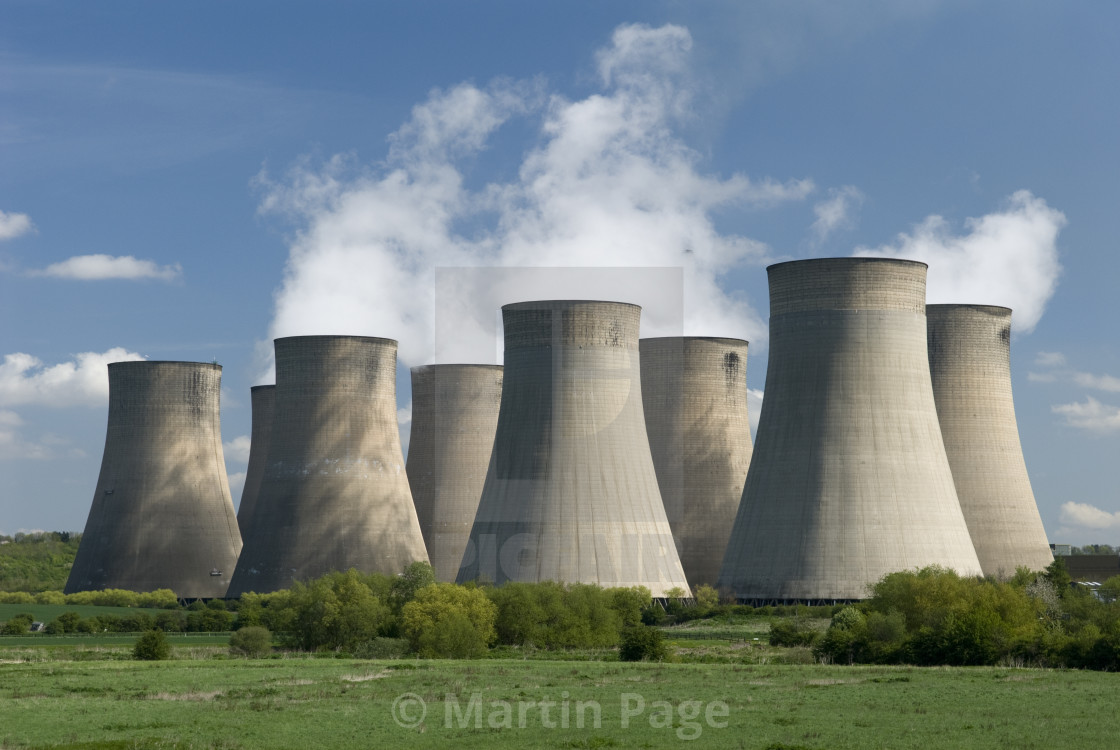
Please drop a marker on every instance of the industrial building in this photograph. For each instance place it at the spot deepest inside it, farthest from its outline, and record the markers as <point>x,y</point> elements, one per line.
<point>849,478</point>
<point>454,418</point>
<point>571,494</point>
<point>263,399</point>
<point>161,517</point>
<point>694,390</point>
<point>334,494</point>
<point>970,365</point>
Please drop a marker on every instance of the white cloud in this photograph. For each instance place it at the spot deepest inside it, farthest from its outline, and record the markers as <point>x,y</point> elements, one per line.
<point>102,267</point>
<point>607,183</point>
<point>1106,383</point>
<point>404,426</point>
<point>83,381</point>
<point>236,484</point>
<point>1090,516</point>
<point>237,450</point>
<point>835,212</point>
<point>1008,258</point>
<point>13,225</point>
<point>1050,359</point>
<point>1091,415</point>
<point>15,446</point>
<point>754,408</point>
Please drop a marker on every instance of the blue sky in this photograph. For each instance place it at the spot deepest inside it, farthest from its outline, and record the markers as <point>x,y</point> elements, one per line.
<point>185,181</point>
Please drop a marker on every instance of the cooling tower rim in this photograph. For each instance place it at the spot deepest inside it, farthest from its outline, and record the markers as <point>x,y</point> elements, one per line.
<point>560,304</point>
<point>254,388</point>
<point>456,365</point>
<point>853,259</point>
<point>333,337</point>
<point>945,306</point>
<point>714,339</point>
<point>164,362</point>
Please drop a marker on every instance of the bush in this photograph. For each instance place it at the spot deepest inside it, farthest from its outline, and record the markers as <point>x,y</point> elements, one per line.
<point>791,632</point>
<point>152,646</point>
<point>158,599</point>
<point>642,643</point>
<point>629,603</point>
<point>253,641</point>
<point>707,598</point>
<point>338,612</point>
<point>19,624</point>
<point>381,648</point>
<point>551,615</point>
<point>50,597</point>
<point>449,621</point>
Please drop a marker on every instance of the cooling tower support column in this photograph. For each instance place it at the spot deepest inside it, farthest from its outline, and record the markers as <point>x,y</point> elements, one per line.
<point>263,403</point>
<point>849,479</point>
<point>694,391</point>
<point>970,362</point>
<point>454,417</point>
<point>162,516</point>
<point>571,494</point>
<point>334,494</point>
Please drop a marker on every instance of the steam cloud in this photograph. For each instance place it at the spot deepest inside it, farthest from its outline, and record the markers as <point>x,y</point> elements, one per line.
<point>608,182</point>
<point>1008,258</point>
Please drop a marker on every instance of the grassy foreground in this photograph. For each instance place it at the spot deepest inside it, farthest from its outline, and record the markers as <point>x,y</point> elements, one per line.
<point>301,703</point>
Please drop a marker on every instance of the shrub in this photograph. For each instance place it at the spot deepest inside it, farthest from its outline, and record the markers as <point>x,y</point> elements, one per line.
<point>50,597</point>
<point>403,589</point>
<point>67,622</point>
<point>706,597</point>
<point>791,632</point>
<point>16,597</point>
<point>253,641</point>
<point>158,599</point>
<point>445,620</point>
<point>629,603</point>
<point>337,612</point>
<point>19,624</point>
<point>152,646</point>
<point>642,643</point>
<point>381,648</point>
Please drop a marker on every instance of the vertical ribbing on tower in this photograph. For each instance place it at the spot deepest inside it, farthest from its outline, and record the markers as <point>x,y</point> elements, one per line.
<point>970,363</point>
<point>334,494</point>
<point>161,516</point>
<point>849,479</point>
<point>454,417</point>
<point>571,494</point>
<point>694,390</point>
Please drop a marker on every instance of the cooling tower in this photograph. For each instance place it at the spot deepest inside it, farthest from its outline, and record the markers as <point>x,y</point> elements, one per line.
<point>570,493</point>
<point>695,395</point>
<point>454,417</point>
<point>264,402</point>
<point>849,479</point>
<point>970,362</point>
<point>334,494</point>
<point>162,516</point>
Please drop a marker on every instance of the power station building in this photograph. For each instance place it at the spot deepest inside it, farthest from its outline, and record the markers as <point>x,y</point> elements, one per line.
<point>970,365</point>
<point>849,479</point>
<point>263,404</point>
<point>571,494</point>
<point>694,390</point>
<point>161,516</point>
<point>454,418</point>
<point>334,494</point>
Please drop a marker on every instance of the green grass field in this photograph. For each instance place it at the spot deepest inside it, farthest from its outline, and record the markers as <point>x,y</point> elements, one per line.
<point>301,703</point>
<point>47,612</point>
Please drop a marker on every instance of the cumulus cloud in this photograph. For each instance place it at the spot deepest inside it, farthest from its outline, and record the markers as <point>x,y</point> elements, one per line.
<point>102,267</point>
<point>1050,359</point>
<point>835,212</point>
<point>1055,371</point>
<point>83,381</point>
<point>606,182</point>
<point>13,225</point>
<point>1089,516</point>
<point>237,450</point>
<point>1007,258</point>
<point>1091,415</point>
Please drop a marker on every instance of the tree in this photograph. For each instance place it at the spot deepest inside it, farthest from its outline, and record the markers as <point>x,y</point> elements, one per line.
<point>19,624</point>
<point>337,612</point>
<point>152,646</point>
<point>642,643</point>
<point>445,620</point>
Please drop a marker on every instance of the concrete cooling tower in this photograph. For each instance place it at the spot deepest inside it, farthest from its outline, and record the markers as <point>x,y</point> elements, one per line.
<point>694,391</point>
<point>849,479</point>
<point>571,494</point>
<point>162,516</point>
<point>454,417</point>
<point>334,494</point>
<point>264,402</point>
<point>970,362</point>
